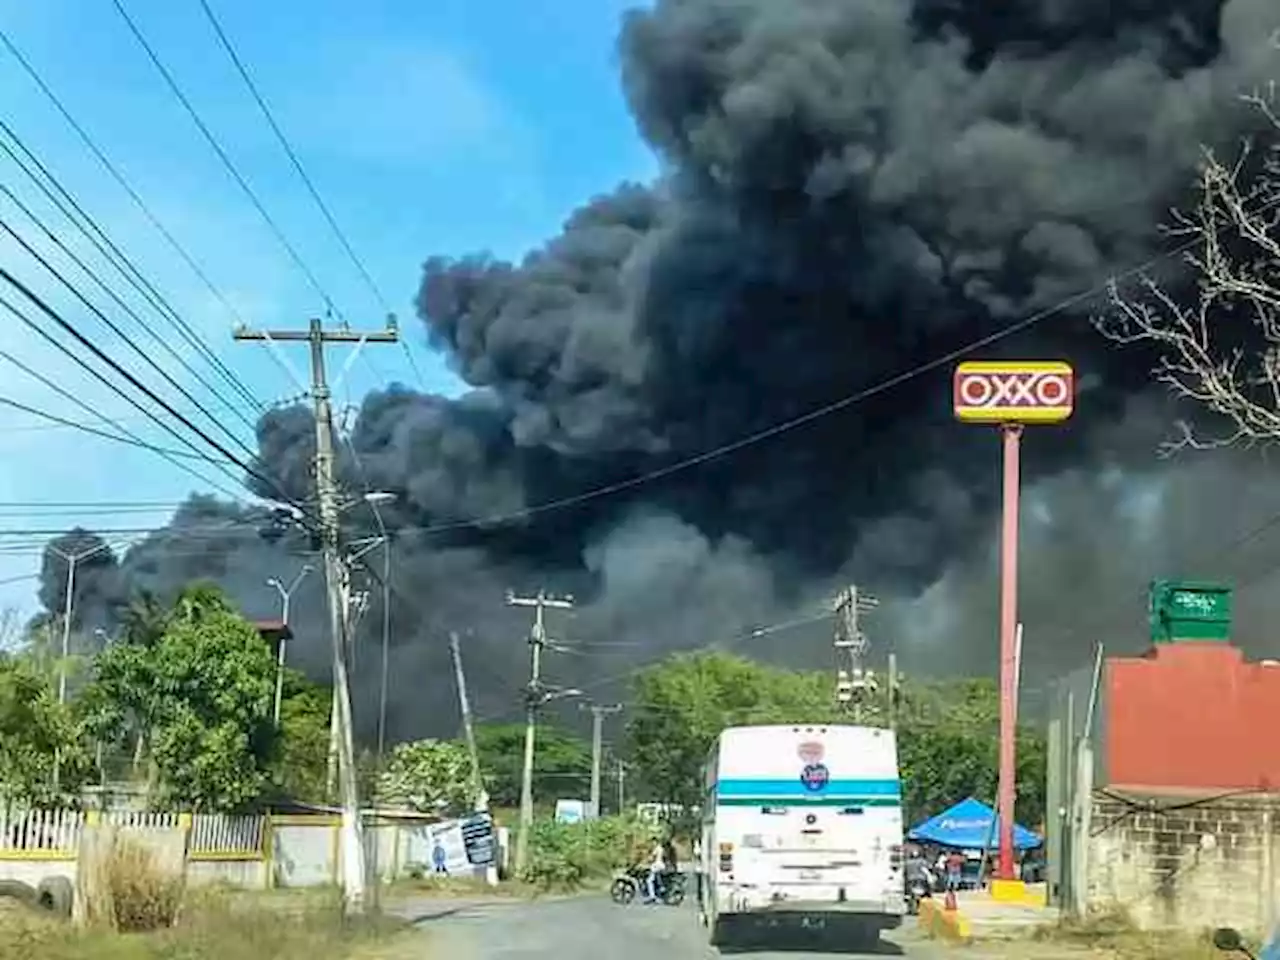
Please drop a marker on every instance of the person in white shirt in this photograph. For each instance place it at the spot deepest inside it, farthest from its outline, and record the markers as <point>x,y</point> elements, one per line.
<point>657,866</point>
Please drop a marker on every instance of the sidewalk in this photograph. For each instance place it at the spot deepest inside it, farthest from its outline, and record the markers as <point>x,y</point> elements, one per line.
<point>988,917</point>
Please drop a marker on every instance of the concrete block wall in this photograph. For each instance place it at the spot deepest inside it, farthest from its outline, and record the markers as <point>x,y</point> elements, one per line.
<point>1188,863</point>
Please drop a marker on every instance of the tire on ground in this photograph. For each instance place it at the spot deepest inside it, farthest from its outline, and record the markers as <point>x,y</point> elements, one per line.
<point>17,890</point>
<point>56,894</point>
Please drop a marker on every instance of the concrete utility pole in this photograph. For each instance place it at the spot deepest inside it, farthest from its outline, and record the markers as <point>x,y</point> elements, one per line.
<point>337,579</point>
<point>469,731</point>
<point>535,696</point>
<point>853,682</point>
<point>286,594</point>
<point>891,698</point>
<point>598,713</point>
<point>622,787</point>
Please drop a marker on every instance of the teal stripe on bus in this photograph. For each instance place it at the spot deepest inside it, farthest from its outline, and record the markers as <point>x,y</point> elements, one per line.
<point>794,788</point>
<point>814,800</point>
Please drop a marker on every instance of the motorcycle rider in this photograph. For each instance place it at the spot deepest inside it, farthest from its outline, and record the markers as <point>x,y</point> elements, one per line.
<point>657,867</point>
<point>916,871</point>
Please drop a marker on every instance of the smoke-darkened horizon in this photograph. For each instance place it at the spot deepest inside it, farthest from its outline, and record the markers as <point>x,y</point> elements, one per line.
<point>853,188</point>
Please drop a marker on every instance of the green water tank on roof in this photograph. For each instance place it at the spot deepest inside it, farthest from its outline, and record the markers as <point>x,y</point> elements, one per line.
<point>1189,610</point>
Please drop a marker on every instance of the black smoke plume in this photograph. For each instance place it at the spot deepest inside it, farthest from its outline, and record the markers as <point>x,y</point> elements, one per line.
<point>852,188</point>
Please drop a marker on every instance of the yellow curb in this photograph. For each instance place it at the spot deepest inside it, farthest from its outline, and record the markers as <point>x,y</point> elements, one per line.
<point>940,924</point>
<point>1015,891</point>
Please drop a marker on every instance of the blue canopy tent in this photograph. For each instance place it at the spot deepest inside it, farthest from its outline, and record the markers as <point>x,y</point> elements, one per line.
<point>968,826</point>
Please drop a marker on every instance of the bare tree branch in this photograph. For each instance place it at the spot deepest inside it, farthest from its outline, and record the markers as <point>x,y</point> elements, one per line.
<point>1220,348</point>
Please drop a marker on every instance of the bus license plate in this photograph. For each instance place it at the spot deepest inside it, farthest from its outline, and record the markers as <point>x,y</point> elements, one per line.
<point>810,874</point>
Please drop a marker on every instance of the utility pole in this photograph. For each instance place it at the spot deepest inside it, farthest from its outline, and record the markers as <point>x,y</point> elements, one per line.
<point>598,713</point>
<point>891,701</point>
<point>622,787</point>
<point>853,682</point>
<point>337,579</point>
<point>534,698</point>
<point>469,731</point>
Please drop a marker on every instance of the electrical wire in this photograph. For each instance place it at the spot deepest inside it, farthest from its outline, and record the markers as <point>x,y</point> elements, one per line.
<point>231,168</point>
<point>137,384</point>
<point>73,399</point>
<point>737,640</point>
<point>102,285</point>
<point>835,406</point>
<point>8,306</point>
<point>130,441</point>
<point>146,211</point>
<point>115,328</point>
<point>366,276</point>
<point>292,154</point>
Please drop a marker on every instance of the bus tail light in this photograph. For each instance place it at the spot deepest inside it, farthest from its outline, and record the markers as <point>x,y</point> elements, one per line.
<point>726,858</point>
<point>895,856</point>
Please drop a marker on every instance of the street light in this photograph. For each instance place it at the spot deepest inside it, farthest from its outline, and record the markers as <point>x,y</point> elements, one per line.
<point>285,594</point>
<point>71,560</point>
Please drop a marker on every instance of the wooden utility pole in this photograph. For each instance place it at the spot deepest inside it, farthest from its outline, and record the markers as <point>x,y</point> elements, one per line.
<point>338,579</point>
<point>535,696</point>
<point>598,713</point>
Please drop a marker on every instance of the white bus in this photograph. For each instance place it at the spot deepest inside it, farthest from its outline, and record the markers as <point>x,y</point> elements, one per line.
<point>802,822</point>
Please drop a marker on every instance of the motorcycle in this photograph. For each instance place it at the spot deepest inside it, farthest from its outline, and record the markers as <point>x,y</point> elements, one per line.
<point>670,887</point>
<point>917,890</point>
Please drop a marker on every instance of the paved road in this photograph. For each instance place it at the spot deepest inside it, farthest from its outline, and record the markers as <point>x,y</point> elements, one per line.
<point>588,928</point>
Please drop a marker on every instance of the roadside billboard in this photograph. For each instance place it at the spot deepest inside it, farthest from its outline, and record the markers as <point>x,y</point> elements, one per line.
<point>1030,391</point>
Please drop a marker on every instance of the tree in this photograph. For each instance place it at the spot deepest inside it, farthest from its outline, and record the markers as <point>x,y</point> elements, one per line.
<point>202,694</point>
<point>301,765</point>
<point>947,730</point>
<point>682,703</point>
<point>562,762</point>
<point>433,776</point>
<point>34,729</point>
<point>1219,349</point>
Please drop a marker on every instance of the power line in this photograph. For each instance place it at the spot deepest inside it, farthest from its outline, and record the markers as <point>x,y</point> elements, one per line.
<point>243,70</point>
<point>818,413</point>
<point>131,441</point>
<point>102,285</point>
<point>137,384</point>
<point>7,305</point>
<point>142,206</point>
<point>231,168</point>
<point>68,207</point>
<point>111,325</point>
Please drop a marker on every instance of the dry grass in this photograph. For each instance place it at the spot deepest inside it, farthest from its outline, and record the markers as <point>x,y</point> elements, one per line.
<point>211,926</point>
<point>141,895</point>
<point>1113,934</point>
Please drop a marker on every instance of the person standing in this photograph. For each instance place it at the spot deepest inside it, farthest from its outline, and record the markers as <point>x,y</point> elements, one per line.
<point>955,870</point>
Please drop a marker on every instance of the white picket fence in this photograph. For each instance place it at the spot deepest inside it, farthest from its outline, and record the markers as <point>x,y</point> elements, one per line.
<point>58,831</point>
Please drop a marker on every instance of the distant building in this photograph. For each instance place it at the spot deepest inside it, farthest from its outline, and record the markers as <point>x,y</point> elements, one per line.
<point>274,632</point>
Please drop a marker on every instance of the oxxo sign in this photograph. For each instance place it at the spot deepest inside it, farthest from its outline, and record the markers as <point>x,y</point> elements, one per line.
<point>1014,392</point>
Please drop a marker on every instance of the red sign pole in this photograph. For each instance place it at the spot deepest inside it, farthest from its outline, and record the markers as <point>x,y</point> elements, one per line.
<point>1011,434</point>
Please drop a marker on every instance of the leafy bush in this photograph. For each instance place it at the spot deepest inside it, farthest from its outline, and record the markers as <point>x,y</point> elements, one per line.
<point>563,856</point>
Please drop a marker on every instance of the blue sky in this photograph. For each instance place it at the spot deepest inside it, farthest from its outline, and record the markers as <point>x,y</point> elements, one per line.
<point>441,127</point>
